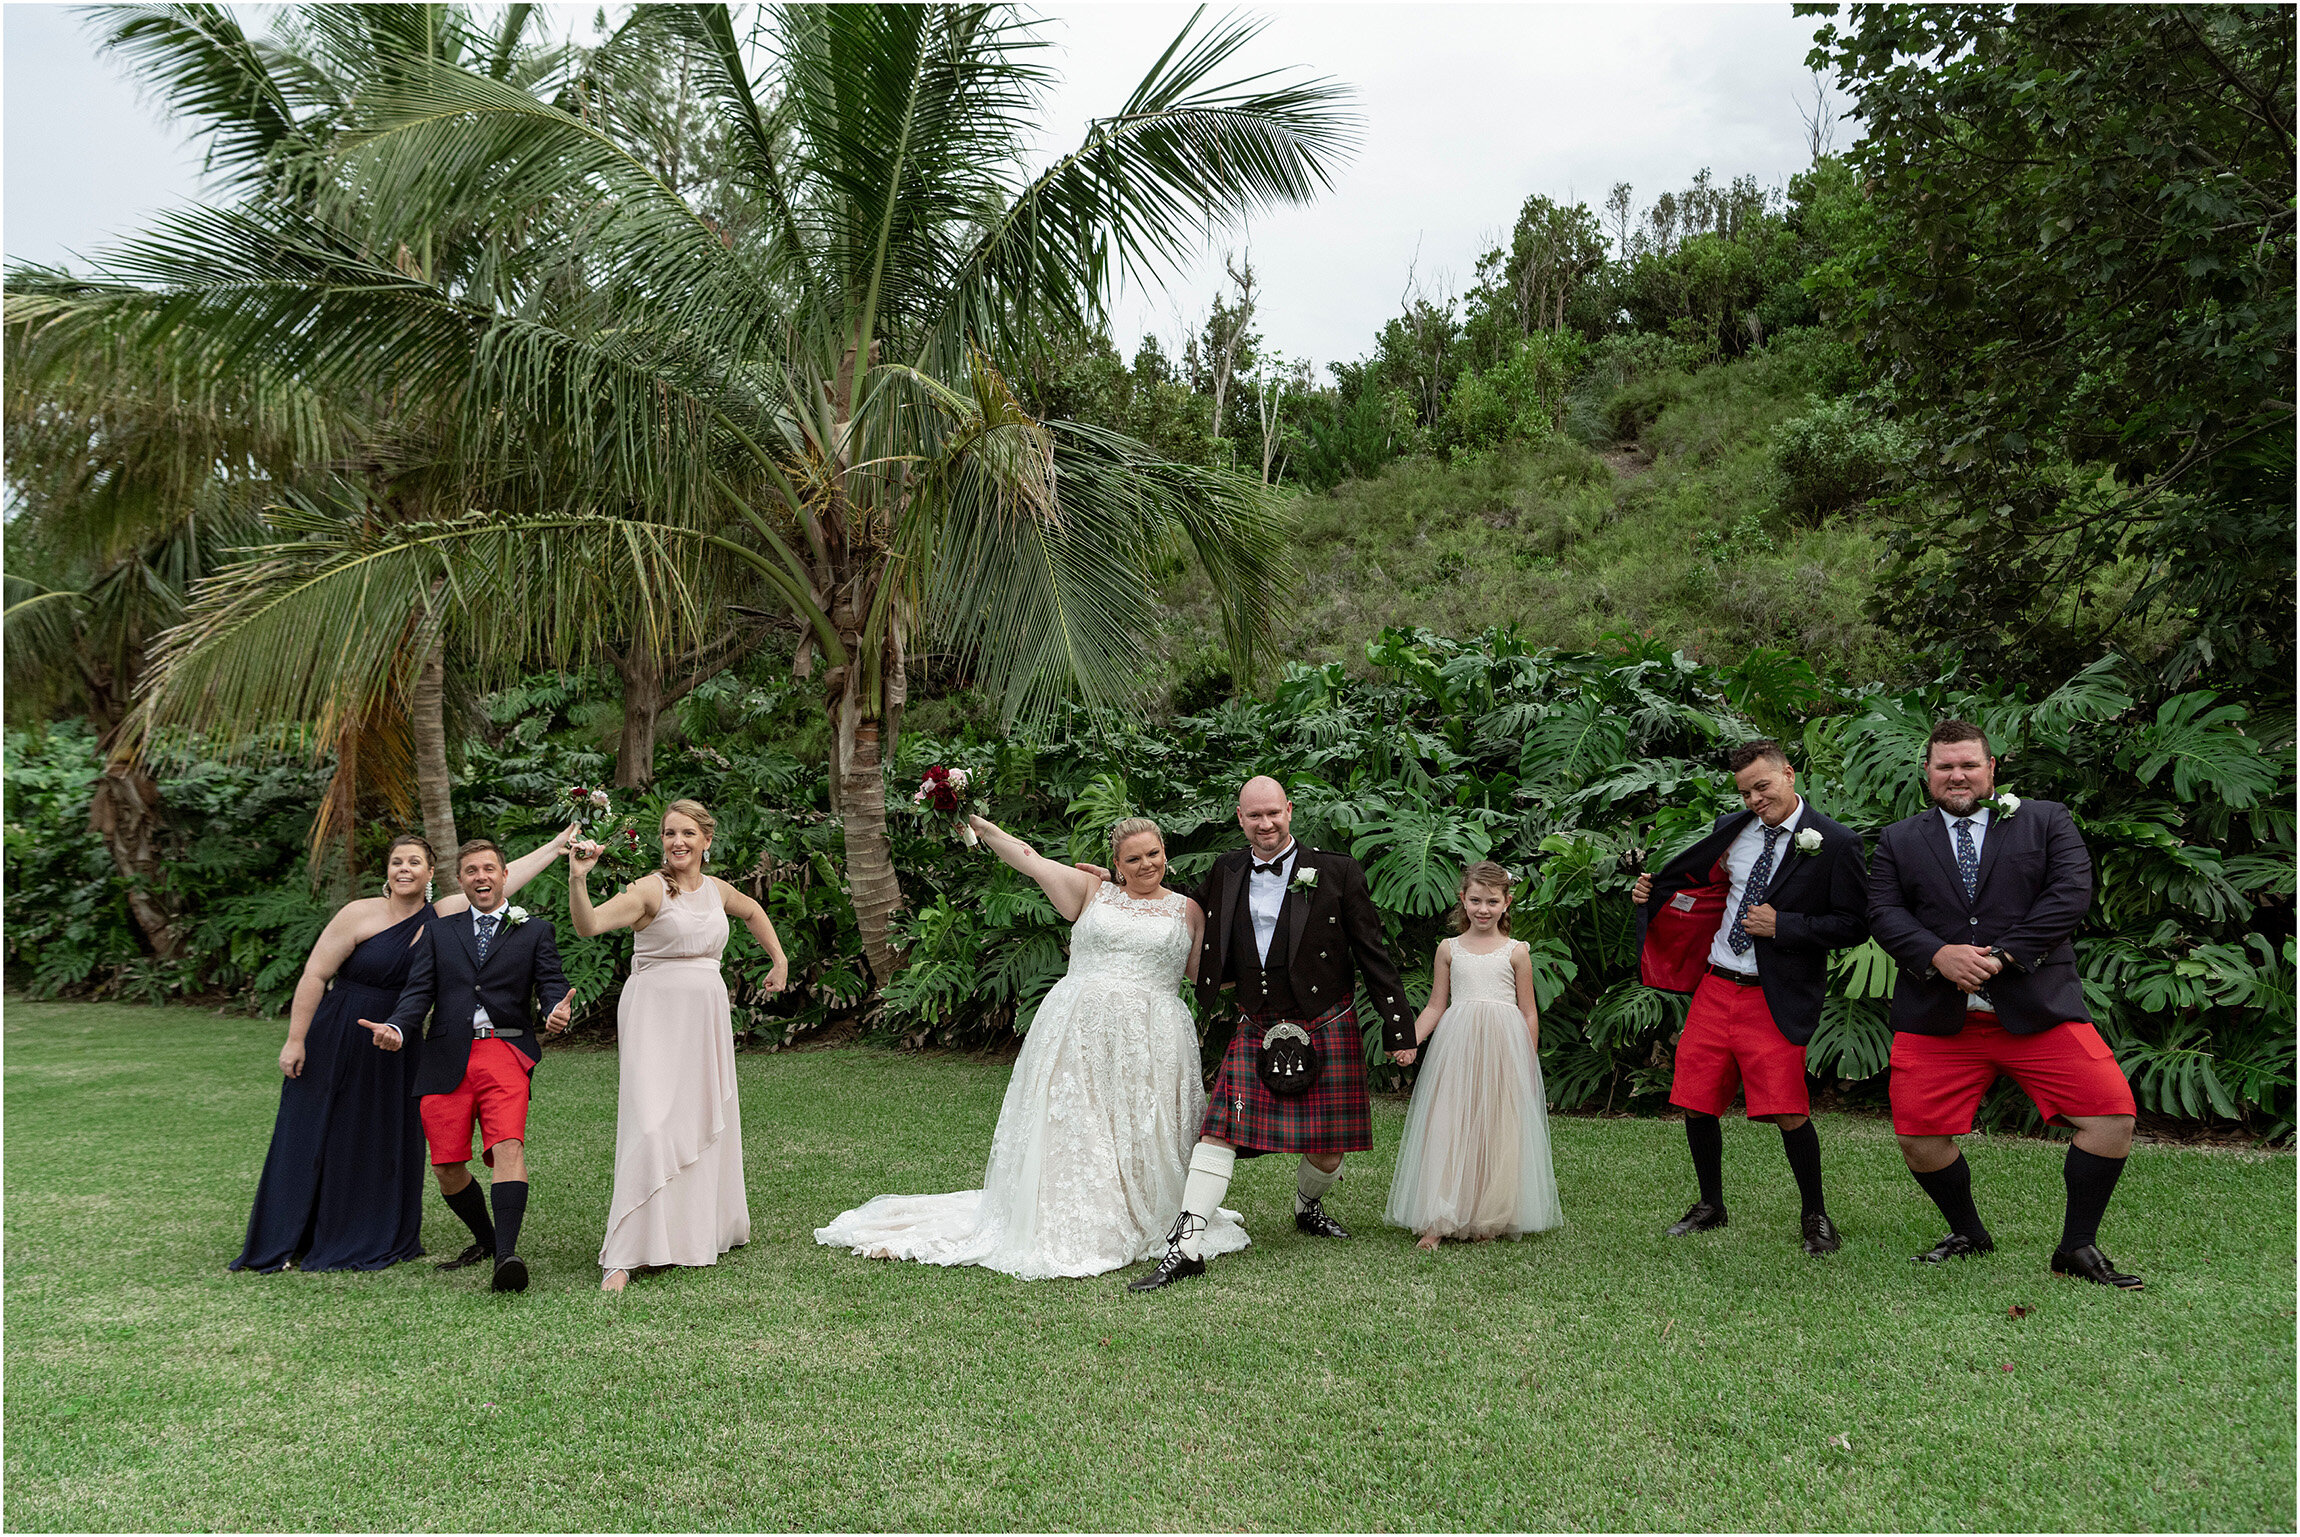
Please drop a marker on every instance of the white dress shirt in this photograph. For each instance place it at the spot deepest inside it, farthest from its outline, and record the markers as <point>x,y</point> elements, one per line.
<point>1741,857</point>
<point>1980,825</point>
<point>1266,893</point>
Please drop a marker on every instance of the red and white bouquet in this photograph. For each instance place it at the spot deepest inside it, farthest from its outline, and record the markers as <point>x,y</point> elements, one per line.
<point>622,851</point>
<point>944,790</point>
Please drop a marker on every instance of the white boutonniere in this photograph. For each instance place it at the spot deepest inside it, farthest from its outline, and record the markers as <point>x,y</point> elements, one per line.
<point>1305,878</point>
<point>514,916</point>
<point>2004,803</point>
<point>1808,840</point>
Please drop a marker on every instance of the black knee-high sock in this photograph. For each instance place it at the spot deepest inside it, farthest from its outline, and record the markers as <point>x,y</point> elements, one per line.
<point>470,1203</point>
<point>1952,1191</point>
<point>510,1207</point>
<point>1706,1139</point>
<point>1804,1149</point>
<point>2091,1180</point>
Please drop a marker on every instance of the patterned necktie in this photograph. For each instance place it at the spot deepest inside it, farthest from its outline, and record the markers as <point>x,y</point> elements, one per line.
<point>1968,857</point>
<point>1737,939</point>
<point>486,933</point>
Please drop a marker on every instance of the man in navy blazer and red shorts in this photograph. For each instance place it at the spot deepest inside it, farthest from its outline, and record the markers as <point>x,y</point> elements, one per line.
<point>1976,897</point>
<point>1745,920</point>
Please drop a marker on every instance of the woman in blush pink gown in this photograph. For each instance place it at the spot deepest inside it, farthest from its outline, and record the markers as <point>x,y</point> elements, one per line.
<point>679,1194</point>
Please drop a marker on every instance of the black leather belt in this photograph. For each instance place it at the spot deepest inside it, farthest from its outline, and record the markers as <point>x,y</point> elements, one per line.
<point>1737,978</point>
<point>492,1032</point>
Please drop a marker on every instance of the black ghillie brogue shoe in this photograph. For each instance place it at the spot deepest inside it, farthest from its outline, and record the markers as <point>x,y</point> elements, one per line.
<point>1176,1266</point>
<point>1821,1235</point>
<point>510,1274</point>
<point>472,1254</point>
<point>1700,1219</point>
<point>2089,1264</point>
<point>1955,1246</point>
<point>1312,1219</point>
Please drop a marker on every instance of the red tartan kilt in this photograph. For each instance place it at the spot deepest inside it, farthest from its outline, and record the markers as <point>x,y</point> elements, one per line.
<point>1332,1118</point>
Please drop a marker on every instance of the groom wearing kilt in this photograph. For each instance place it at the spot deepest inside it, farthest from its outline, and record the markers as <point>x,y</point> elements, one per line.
<point>1284,925</point>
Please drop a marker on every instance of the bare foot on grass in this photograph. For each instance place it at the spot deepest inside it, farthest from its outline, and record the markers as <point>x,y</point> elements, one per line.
<point>616,1281</point>
<point>1428,1242</point>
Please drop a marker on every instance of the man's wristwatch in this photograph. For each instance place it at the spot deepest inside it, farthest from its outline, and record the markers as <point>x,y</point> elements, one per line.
<point>2004,958</point>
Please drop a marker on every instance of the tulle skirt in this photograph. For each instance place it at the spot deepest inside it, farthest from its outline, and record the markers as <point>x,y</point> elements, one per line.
<point>1474,1162</point>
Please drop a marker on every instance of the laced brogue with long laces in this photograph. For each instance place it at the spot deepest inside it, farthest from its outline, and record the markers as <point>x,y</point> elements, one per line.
<point>1312,1219</point>
<point>1176,1266</point>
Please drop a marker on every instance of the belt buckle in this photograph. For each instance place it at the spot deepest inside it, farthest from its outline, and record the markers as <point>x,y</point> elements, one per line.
<point>483,1032</point>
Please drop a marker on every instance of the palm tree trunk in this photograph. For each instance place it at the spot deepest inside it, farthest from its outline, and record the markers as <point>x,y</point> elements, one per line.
<point>433,785</point>
<point>861,781</point>
<point>642,707</point>
<point>125,812</point>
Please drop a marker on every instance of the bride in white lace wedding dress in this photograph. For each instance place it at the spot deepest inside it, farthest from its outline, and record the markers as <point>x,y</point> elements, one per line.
<point>1093,1142</point>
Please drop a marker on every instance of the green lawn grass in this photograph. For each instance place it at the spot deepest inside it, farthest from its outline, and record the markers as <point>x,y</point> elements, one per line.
<point>1601,1376</point>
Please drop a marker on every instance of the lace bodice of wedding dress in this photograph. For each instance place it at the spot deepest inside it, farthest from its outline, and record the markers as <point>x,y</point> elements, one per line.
<point>1093,1141</point>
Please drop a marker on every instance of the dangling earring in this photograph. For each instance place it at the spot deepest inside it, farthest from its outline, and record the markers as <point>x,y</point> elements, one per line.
<point>706,853</point>
<point>427,889</point>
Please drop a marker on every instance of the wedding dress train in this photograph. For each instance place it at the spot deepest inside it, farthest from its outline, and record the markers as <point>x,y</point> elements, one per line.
<point>1093,1142</point>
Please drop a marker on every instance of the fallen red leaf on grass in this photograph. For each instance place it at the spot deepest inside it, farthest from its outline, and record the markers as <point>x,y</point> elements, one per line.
<point>2019,1310</point>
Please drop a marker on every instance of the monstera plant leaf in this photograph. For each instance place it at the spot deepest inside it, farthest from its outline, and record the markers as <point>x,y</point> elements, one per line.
<point>2206,751</point>
<point>1855,1039</point>
<point>1414,858</point>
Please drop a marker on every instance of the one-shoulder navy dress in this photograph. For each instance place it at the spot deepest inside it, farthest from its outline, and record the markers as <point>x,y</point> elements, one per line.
<point>342,1186</point>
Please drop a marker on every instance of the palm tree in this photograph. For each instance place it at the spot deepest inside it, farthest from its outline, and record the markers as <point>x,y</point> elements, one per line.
<point>810,384</point>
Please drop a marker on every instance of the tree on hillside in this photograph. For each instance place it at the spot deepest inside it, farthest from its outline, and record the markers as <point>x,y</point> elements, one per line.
<point>2078,253</point>
<point>825,404</point>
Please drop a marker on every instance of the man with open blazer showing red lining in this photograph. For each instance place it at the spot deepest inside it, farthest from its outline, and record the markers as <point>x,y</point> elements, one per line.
<point>1745,920</point>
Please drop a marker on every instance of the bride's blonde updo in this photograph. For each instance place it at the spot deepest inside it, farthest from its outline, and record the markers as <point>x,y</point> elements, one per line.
<point>1131,827</point>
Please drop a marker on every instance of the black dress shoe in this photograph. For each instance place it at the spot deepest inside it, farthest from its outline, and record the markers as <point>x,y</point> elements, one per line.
<point>2089,1264</point>
<point>1955,1246</point>
<point>1700,1219</point>
<point>1176,1266</point>
<point>1821,1235</point>
<point>511,1274</point>
<point>1312,1219</point>
<point>472,1254</point>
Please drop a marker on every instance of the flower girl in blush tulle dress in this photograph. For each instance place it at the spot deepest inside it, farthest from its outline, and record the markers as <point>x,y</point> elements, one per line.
<point>1474,1162</point>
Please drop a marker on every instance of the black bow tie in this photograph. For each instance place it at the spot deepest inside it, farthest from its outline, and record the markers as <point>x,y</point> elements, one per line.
<point>1269,869</point>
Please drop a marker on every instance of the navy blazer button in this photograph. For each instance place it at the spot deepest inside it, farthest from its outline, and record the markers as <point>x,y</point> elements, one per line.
<point>1975,922</point>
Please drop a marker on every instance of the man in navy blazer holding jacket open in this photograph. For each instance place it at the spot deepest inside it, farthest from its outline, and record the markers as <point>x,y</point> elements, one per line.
<point>1745,920</point>
<point>1976,897</point>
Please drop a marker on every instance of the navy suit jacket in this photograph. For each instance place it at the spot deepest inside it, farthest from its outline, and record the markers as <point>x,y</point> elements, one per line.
<point>447,982</point>
<point>2033,888</point>
<point>1820,902</point>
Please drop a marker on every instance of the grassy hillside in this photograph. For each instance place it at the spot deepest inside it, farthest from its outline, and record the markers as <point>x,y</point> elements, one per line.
<point>1677,531</point>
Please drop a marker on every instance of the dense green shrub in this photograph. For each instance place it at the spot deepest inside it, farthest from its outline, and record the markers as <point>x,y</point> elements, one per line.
<point>1574,768</point>
<point>1834,456</point>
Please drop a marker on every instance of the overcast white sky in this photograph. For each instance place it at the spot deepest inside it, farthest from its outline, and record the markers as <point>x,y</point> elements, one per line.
<point>1466,109</point>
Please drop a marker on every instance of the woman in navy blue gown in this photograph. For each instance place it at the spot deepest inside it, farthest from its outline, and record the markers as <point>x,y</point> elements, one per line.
<point>343,1184</point>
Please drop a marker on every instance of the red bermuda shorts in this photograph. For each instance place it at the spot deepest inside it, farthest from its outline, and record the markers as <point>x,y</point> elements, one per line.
<point>493,1093</point>
<point>1938,1080</point>
<point>1731,1042</point>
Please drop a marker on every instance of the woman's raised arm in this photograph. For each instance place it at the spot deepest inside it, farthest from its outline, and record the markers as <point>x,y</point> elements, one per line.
<point>1067,888</point>
<point>515,875</point>
<point>634,906</point>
